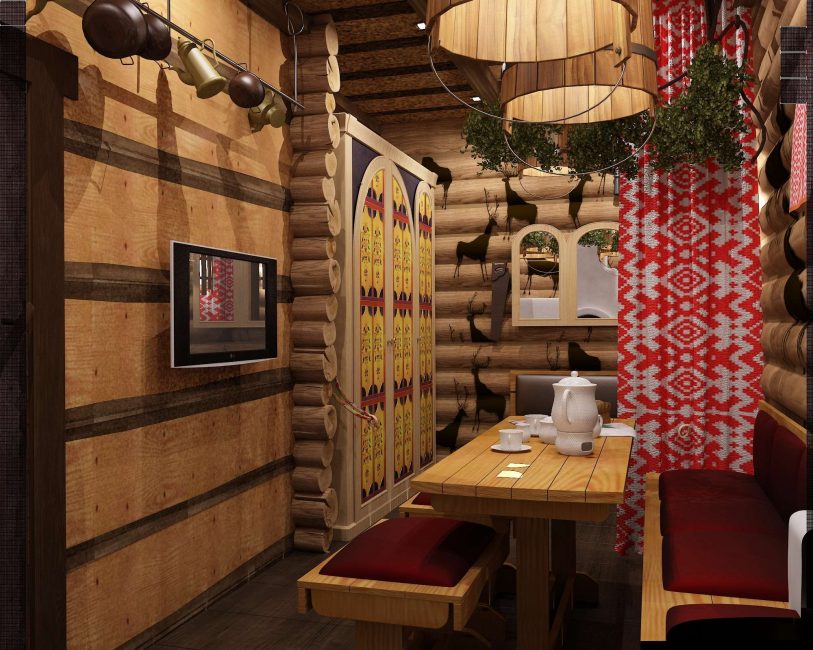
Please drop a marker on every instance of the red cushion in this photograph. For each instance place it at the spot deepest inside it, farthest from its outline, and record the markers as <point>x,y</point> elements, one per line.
<point>418,550</point>
<point>784,472</point>
<point>764,426</point>
<point>729,622</point>
<point>707,484</point>
<point>745,514</point>
<point>721,563</point>
<point>422,499</point>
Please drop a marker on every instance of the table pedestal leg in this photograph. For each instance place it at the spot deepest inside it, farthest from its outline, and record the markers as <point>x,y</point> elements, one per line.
<point>379,636</point>
<point>585,592</point>
<point>533,597</point>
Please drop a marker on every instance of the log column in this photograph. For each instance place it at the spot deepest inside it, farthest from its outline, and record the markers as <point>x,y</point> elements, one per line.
<point>316,278</point>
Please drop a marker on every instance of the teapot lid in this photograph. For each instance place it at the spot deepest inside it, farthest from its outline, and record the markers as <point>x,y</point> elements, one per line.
<point>574,380</point>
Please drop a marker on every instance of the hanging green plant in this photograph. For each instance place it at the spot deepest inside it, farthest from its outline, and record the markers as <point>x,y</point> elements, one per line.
<point>705,120</point>
<point>486,143</point>
<point>601,145</point>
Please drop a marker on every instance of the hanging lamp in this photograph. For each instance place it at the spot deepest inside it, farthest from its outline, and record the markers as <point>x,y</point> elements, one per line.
<point>586,88</point>
<point>513,31</point>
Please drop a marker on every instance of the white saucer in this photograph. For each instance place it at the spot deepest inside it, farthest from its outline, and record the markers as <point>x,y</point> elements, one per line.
<point>499,448</point>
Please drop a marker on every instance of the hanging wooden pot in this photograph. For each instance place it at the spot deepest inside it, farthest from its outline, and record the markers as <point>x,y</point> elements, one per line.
<point>516,31</point>
<point>158,44</point>
<point>563,90</point>
<point>114,28</point>
<point>246,90</point>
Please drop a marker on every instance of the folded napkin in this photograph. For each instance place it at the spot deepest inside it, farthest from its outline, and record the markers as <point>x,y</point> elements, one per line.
<point>507,473</point>
<point>617,429</point>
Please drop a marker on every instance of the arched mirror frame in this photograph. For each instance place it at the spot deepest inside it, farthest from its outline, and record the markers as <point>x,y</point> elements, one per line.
<point>568,254</point>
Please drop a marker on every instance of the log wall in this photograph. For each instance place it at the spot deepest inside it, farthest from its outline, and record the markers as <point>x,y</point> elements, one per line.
<point>179,482</point>
<point>463,219</point>
<point>783,254</point>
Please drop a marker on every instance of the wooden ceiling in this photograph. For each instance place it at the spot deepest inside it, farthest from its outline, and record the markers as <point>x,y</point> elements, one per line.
<point>386,76</point>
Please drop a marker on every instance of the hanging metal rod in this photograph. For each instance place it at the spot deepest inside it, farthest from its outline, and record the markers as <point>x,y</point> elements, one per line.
<point>227,60</point>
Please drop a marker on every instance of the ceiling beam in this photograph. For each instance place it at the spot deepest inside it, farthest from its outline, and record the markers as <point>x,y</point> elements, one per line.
<point>477,74</point>
<point>273,11</point>
<point>347,106</point>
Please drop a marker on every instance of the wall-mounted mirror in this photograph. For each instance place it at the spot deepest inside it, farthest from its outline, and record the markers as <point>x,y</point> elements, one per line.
<point>565,277</point>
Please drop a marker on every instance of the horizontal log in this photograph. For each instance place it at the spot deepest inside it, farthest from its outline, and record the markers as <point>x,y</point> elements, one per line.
<point>768,93</point>
<point>314,334</point>
<point>315,277</point>
<point>313,453</point>
<point>313,539</point>
<point>786,150</point>
<point>497,380</point>
<point>449,330</point>
<point>499,249</point>
<point>313,248</point>
<point>778,257</point>
<point>315,133</point>
<point>537,190</point>
<point>309,367</point>
<point>773,174</point>
<point>470,277</point>
<point>317,103</point>
<point>785,344</point>
<point>311,308</point>
<point>313,189</point>
<point>328,497</point>
<point>314,422</point>
<point>314,163</point>
<point>798,238</point>
<point>316,74</point>
<point>447,409</point>
<point>316,219</point>
<point>468,220</point>
<point>783,300</point>
<point>785,387</point>
<point>313,514</point>
<point>312,394</point>
<point>320,40</point>
<point>774,216</point>
<point>311,479</point>
<point>516,356</point>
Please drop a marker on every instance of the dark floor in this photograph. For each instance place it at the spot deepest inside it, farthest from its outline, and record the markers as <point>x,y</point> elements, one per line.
<point>262,613</point>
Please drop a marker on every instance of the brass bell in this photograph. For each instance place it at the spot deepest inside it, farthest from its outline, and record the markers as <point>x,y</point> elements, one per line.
<point>272,111</point>
<point>208,81</point>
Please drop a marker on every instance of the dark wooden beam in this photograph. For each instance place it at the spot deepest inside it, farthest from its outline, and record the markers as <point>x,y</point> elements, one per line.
<point>366,12</point>
<point>476,73</point>
<point>409,92</point>
<point>274,12</point>
<point>397,72</point>
<point>429,109</point>
<point>345,105</point>
<point>387,44</point>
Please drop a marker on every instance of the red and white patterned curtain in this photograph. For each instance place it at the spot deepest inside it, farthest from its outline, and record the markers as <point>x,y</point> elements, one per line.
<point>689,356</point>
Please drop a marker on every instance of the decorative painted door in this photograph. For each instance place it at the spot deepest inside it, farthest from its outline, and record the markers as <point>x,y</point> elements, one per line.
<point>426,322</point>
<point>388,373</point>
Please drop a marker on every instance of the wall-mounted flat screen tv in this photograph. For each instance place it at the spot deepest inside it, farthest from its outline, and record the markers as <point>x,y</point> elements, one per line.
<point>224,306</point>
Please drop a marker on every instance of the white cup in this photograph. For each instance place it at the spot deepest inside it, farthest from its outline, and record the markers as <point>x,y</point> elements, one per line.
<point>526,428</point>
<point>511,439</point>
<point>534,419</point>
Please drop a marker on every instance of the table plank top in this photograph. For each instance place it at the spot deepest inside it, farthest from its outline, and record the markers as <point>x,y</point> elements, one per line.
<point>549,476</point>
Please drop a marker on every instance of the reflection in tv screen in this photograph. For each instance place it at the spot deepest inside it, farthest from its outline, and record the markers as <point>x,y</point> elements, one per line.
<point>226,305</point>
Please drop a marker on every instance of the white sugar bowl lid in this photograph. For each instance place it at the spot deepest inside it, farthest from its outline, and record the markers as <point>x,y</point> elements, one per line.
<point>574,380</point>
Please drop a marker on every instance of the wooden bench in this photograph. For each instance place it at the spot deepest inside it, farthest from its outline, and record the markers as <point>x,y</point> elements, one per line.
<point>384,611</point>
<point>655,600</point>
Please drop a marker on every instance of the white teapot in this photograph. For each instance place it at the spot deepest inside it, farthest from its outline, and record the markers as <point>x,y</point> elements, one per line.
<point>574,405</point>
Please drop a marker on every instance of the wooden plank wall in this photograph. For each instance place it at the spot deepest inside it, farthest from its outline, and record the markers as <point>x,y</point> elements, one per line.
<point>783,253</point>
<point>178,481</point>
<point>466,217</point>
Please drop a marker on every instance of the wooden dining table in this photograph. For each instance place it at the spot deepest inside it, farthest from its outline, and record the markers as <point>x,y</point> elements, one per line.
<point>552,493</point>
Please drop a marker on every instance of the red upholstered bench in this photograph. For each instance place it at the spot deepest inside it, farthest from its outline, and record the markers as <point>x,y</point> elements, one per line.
<point>404,573</point>
<point>704,623</point>
<point>725,533</point>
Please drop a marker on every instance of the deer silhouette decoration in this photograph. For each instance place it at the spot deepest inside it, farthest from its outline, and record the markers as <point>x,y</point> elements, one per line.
<point>543,268</point>
<point>444,175</point>
<point>477,248</point>
<point>487,399</point>
<point>476,335</point>
<point>447,436</point>
<point>575,199</point>
<point>517,208</point>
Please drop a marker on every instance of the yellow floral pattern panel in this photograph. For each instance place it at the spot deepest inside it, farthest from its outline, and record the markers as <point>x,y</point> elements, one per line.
<point>372,338</point>
<point>403,314</point>
<point>426,328</point>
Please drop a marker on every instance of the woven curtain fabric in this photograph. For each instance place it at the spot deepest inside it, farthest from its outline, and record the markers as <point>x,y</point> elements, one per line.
<point>689,324</point>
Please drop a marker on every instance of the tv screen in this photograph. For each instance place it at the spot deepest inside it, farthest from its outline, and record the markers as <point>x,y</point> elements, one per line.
<point>224,306</point>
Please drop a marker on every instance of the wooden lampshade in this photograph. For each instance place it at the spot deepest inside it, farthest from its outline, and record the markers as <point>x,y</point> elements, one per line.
<point>513,31</point>
<point>549,91</point>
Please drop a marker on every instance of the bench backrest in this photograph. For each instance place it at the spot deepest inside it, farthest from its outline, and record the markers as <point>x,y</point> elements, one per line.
<point>532,391</point>
<point>780,459</point>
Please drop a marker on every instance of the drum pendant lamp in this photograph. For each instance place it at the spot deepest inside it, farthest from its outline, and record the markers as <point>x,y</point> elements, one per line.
<point>514,31</point>
<point>586,88</point>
